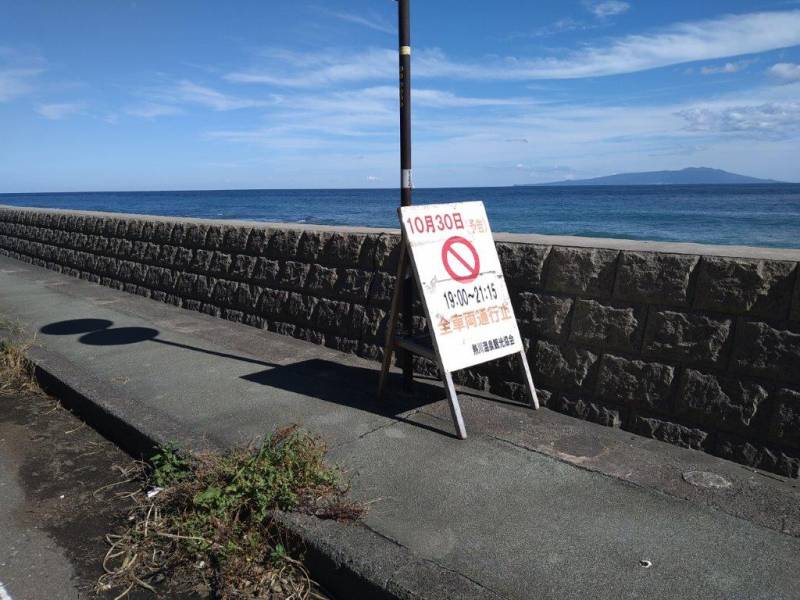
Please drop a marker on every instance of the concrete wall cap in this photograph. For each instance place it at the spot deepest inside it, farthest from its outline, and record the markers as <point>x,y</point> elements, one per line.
<point>790,254</point>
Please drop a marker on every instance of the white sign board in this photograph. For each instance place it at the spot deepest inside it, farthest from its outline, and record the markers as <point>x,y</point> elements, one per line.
<point>465,296</point>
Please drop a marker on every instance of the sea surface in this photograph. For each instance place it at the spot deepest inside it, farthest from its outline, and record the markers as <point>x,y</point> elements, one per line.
<point>753,215</point>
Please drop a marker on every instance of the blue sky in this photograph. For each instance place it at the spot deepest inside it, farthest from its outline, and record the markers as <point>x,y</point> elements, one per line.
<point>114,95</point>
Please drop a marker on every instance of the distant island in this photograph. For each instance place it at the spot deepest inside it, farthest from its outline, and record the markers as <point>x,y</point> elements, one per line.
<point>689,176</point>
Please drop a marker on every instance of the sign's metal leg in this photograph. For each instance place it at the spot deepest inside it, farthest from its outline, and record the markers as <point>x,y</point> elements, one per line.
<point>407,301</point>
<point>387,363</point>
<point>528,380</point>
<point>455,408</point>
<point>391,332</point>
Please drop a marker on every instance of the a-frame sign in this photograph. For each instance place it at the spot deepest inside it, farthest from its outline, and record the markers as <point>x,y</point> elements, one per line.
<point>456,269</point>
<point>464,293</point>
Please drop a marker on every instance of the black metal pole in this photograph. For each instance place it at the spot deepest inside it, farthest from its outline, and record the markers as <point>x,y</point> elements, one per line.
<point>404,29</point>
<point>405,102</point>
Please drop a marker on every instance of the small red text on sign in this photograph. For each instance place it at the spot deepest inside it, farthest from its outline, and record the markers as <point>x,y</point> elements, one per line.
<point>434,223</point>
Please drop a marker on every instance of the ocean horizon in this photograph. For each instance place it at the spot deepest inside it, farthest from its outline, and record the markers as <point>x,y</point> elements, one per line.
<point>766,215</point>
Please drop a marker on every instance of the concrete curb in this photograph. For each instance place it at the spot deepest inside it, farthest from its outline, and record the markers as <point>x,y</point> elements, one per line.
<point>349,560</point>
<point>356,562</point>
<point>91,399</point>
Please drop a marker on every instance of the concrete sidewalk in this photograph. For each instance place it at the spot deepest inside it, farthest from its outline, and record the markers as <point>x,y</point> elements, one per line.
<point>532,505</point>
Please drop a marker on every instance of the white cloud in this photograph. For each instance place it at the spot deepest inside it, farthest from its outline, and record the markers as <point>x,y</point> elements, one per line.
<point>18,73</point>
<point>171,100</point>
<point>373,178</point>
<point>319,135</point>
<point>16,82</point>
<point>561,26</point>
<point>151,110</point>
<point>772,119</point>
<point>59,110</point>
<point>370,23</point>
<point>607,8</point>
<point>326,119</point>
<point>727,36</point>
<point>192,93</point>
<point>315,69</point>
<point>546,172</point>
<point>596,140</point>
<point>729,67</point>
<point>787,71</point>
<point>386,98</point>
<point>442,99</point>
<point>369,116</point>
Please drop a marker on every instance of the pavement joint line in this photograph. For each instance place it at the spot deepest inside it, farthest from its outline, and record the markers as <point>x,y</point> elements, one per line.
<point>633,484</point>
<point>583,467</point>
<point>574,464</point>
<point>764,474</point>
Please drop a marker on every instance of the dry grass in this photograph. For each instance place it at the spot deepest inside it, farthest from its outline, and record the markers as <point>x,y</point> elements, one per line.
<point>16,371</point>
<point>210,522</point>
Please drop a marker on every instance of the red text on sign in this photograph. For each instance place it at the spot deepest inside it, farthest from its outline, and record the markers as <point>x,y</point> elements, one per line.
<point>474,318</point>
<point>434,223</point>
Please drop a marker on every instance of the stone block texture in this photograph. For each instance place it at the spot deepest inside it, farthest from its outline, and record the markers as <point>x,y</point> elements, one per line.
<point>698,351</point>
<point>687,338</point>
<point>736,286</point>
<point>655,278</point>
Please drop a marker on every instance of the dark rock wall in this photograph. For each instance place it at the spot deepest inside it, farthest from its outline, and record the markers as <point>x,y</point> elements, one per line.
<point>698,351</point>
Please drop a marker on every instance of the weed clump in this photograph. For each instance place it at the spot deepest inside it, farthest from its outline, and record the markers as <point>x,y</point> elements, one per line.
<point>16,371</point>
<point>211,516</point>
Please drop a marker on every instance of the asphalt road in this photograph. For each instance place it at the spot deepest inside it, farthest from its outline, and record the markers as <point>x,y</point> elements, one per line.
<point>52,523</point>
<point>32,563</point>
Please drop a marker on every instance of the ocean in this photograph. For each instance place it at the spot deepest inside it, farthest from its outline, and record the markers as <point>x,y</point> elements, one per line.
<point>752,215</point>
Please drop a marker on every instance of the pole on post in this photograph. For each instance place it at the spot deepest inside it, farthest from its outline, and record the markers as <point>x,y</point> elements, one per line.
<point>404,29</point>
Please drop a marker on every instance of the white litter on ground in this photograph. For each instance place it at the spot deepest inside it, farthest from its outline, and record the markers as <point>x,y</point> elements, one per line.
<point>4,595</point>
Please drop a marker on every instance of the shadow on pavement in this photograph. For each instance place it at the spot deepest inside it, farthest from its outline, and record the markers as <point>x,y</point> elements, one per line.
<point>120,336</point>
<point>75,326</point>
<point>346,385</point>
<point>101,332</point>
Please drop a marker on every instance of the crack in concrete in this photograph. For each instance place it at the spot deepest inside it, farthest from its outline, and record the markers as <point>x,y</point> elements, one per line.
<point>401,418</point>
<point>385,537</point>
<point>365,434</point>
<point>442,568</point>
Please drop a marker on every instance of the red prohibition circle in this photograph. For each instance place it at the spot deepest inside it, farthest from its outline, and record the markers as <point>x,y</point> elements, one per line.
<point>471,262</point>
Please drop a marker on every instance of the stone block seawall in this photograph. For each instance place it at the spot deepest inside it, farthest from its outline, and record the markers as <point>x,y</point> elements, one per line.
<point>694,345</point>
